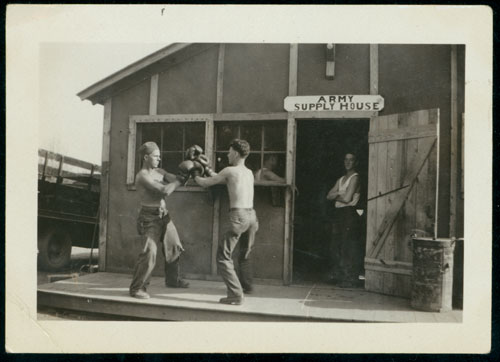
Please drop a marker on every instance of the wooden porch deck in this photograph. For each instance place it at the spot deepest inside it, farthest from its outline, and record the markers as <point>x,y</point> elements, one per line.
<point>108,293</point>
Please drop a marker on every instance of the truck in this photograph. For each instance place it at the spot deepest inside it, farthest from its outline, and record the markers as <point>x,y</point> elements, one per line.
<point>68,207</point>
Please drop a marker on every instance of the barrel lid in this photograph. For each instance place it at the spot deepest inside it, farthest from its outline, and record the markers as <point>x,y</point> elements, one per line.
<point>435,240</point>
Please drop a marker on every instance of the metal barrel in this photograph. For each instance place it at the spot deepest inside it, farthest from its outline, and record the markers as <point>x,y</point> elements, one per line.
<point>432,280</point>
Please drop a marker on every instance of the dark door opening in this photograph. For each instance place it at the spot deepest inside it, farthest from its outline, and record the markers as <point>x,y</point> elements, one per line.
<point>321,147</point>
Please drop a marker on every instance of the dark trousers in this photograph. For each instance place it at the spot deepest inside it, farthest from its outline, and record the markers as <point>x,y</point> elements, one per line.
<point>243,225</point>
<point>152,225</point>
<point>346,251</point>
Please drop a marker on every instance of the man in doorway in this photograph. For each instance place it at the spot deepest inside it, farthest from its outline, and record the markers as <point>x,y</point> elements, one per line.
<point>345,228</point>
<point>153,184</point>
<point>243,223</point>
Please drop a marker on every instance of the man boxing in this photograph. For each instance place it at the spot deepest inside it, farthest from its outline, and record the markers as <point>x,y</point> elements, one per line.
<point>153,184</point>
<point>243,223</point>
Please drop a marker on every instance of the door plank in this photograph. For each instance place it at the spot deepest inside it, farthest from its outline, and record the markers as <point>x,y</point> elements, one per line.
<point>372,279</point>
<point>421,181</point>
<point>392,183</point>
<point>423,130</point>
<point>414,169</point>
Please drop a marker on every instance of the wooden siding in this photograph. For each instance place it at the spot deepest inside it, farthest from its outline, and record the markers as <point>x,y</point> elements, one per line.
<point>123,243</point>
<point>268,252</point>
<point>191,86</point>
<point>255,77</point>
<point>192,213</point>
<point>460,110</point>
<point>415,77</point>
<point>352,70</point>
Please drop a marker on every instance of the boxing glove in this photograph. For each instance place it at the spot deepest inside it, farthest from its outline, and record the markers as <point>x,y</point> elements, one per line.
<point>185,168</point>
<point>193,152</point>
<point>197,169</point>
<point>206,165</point>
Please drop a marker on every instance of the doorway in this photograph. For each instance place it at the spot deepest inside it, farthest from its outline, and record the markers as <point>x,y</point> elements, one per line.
<point>321,147</point>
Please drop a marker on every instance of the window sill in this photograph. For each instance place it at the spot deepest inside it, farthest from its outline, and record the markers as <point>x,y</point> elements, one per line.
<point>271,183</point>
<point>187,188</point>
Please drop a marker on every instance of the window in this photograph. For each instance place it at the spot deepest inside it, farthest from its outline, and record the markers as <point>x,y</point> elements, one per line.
<point>173,138</point>
<point>267,144</point>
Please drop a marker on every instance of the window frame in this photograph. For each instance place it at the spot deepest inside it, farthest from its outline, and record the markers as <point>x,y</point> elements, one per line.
<point>134,120</point>
<point>210,120</point>
<point>261,151</point>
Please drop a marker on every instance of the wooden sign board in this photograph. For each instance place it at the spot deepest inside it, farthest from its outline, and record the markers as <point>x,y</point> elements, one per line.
<point>334,103</point>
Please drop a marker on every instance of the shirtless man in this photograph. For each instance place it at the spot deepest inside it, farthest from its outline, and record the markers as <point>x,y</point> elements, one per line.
<point>243,222</point>
<point>153,184</point>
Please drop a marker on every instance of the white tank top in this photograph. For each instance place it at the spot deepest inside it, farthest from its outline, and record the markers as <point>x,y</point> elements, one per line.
<point>343,188</point>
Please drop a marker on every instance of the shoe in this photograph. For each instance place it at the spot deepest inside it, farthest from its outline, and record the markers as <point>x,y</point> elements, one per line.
<point>140,294</point>
<point>231,300</point>
<point>180,284</point>
<point>248,290</point>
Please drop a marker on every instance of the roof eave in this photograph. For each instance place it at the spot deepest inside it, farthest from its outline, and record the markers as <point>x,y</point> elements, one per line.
<point>92,93</point>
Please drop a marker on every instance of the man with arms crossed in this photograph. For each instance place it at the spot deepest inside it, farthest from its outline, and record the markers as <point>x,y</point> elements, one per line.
<point>153,184</point>
<point>243,222</point>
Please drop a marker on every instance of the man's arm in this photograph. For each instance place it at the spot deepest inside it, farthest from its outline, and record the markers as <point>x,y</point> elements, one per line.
<point>271,176</point>
<point>347,196</point>
<point>167,176</point>
<point>146,181</point>
<point>333,193</point>
<point>220,178</point>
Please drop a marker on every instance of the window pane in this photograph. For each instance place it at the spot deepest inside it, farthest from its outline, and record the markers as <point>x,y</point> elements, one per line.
<point>225,134</point>
<point>170,161</point>
<point>276,163</point>
<point>150,132</point>
<point>253,161</point>
<point>195,134</point>
<point>172,137</point>
<point>275,138</point>
<point>253,135</point>
<point>221,161</point>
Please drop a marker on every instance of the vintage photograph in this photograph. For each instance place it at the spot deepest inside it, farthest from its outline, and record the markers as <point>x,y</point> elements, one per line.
<point>322,183</point>
<point>313,184</point>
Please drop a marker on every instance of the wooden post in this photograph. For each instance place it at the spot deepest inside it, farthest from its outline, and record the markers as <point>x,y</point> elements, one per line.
<point>209,141</point>
<point>454,143</point>
<point>374,69</point>
<point>104,190</point>
<point>220,77</point>
<point>153,95</point>
<point>290,171</point>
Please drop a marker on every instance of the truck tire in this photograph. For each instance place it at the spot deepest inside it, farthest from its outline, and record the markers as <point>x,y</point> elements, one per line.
<point>54,250</point>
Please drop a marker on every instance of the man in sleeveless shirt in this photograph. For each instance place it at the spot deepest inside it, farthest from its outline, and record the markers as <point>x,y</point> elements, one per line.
<point>345,229</point>
<point>243,222</point>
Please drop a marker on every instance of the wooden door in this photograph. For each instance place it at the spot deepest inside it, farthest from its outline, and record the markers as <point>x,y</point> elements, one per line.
<point>402,188</point>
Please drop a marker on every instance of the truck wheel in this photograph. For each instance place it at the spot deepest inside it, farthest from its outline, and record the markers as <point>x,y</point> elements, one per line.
<point>54,250</point>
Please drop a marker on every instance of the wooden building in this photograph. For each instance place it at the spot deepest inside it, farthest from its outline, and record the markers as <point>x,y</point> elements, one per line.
<point>408,141</point>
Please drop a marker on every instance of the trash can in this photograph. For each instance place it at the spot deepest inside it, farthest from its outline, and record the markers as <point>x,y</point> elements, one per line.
<point>432,281</point>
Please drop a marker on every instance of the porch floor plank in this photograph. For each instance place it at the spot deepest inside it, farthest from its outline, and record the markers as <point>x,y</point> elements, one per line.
<point>107,293</point>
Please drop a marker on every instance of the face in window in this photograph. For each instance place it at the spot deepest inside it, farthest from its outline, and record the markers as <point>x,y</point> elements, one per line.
<point>153,159</point>
<point>232,156</point>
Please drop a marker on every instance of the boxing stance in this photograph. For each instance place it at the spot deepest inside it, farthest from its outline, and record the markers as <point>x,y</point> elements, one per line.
<point>243,222</point>
<point>154,184</point>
